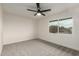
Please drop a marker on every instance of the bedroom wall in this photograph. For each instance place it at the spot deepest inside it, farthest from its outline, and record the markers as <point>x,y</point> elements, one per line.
<point>17,28</point>
<point>67,40</point>
<point>0,29</point>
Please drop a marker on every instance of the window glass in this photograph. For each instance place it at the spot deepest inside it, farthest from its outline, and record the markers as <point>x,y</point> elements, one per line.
<point>65,26</point>
<point>61,26</point>
<point>53,27</point>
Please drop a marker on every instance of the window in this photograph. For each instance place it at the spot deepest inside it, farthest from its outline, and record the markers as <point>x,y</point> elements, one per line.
<point>61,26</point>
<point>53,26</point>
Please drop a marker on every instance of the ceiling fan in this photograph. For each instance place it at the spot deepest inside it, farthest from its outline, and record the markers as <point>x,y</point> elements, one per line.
<point>39,11</point>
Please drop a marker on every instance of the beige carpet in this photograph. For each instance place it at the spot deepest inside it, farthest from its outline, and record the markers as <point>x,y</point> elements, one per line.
<point>35,48</point>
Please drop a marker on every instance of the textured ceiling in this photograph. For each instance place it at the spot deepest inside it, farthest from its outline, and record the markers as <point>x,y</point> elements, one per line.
<point>20,8</point>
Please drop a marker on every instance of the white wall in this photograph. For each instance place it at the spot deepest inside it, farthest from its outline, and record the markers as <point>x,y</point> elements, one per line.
<point>67,40</point>
<point>17,28</point>
<point>0,29</point>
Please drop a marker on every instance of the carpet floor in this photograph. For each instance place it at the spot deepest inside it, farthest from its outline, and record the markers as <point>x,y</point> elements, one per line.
<point>35,48</point>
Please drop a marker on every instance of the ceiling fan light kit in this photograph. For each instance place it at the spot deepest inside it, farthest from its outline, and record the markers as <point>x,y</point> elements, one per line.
<point>39,12</point>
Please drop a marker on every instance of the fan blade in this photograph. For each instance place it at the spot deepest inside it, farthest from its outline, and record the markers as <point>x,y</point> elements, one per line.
<point>35,14</point>
<point>43,14</point>
<point>31,10</point>
<point>38,5</point>
<point>45,10</point>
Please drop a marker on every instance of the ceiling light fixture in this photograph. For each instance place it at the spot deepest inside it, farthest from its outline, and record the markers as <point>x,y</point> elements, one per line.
<point>38,14</point>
